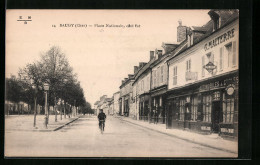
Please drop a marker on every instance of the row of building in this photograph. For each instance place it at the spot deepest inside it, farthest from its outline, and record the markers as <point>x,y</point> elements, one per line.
<point>191,85</point>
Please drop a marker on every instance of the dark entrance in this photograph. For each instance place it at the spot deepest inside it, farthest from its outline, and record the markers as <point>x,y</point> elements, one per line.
<point>187,116</point>
<point>169,115</point>
<point>216,116</point>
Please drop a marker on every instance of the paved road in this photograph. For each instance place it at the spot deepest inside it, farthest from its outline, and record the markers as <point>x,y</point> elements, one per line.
<point>82,138</point>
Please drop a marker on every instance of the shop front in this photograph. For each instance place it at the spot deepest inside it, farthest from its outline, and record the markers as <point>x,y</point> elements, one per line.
<point>210,106</point>
<point>126,105</point>
<point>144,107</point>
<point>158,100</point>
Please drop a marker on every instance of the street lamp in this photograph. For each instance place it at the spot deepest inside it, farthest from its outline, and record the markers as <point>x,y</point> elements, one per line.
<point>35,104</point>
<point>46,87</point>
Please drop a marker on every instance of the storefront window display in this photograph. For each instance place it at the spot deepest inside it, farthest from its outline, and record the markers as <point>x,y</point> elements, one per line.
<point>228,109</point>
<point>194,108</point>
<point>207,100</point>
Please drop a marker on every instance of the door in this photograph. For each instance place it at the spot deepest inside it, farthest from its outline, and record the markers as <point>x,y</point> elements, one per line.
<point>187,116</point>
<point>216,108</point>
<point>169,115</point>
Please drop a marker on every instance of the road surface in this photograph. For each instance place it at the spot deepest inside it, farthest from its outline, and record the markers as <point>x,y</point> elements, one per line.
<point>82,138</point>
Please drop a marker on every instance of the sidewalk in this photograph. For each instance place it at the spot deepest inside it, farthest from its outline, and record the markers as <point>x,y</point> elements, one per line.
<point>212,140</point>
<point>25,123</point>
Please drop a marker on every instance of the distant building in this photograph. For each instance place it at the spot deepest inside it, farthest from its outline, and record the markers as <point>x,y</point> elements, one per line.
<point>116,97</point>
<point>125,100</point>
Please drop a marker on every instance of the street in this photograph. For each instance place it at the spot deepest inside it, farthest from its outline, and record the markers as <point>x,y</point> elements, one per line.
<point>82,138</point>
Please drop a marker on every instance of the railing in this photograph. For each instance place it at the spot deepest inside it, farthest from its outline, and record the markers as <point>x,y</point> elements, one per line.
<point>191,76</point>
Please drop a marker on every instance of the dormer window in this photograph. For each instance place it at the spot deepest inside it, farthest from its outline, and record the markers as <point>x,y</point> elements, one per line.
<point>216,20</point>
<point>215,24</point>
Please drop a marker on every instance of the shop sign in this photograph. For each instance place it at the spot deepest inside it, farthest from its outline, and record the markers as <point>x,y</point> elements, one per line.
<point>220,39</point>
<point>219,84</point>
<point>205,128</point>
<point>230,89</point>
<point>210,67</point>
<point>227,130</point>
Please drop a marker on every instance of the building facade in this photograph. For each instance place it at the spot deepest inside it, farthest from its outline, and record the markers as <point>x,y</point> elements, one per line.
<point>141,86</point>
<point>125,100</point>
<point>203,78</point>
<point>116,97</point>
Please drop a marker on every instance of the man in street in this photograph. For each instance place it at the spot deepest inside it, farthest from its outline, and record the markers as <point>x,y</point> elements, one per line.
<point>101,117</point>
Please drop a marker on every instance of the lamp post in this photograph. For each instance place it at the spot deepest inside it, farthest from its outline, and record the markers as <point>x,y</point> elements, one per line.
<point>46,87</point>
<point>35,104</point>
<point>64,81</point>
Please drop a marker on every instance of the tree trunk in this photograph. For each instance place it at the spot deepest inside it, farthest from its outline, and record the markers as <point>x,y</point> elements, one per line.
<point>35,112</point>
<point>55,109</point>
<point>61,110</point>
<point>64,110</point>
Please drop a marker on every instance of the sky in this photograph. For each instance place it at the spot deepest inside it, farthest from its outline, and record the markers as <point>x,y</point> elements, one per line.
<point>100,56</point>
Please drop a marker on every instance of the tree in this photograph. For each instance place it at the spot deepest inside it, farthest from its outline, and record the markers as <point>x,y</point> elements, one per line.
<point>55,68</point>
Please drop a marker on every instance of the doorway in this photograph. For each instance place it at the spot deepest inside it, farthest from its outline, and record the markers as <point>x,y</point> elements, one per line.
<point>216,116</point>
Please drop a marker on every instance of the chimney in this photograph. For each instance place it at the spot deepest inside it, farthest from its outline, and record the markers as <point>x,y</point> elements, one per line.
<point>130,76</point>
<point>159,53</point>
<point>135,69</point>
<point>123,81</point>
<point>141,64</point>
<point>151,55</point>
<point>181,32</point>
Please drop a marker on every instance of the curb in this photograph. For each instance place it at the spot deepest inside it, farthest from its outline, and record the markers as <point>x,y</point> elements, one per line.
<point>65,124</point>
<point>188,140</point>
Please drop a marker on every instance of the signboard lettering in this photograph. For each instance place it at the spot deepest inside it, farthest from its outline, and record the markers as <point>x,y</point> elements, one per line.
<point>220,39</point>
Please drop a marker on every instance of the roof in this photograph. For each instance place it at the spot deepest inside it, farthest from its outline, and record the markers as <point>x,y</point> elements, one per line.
<point>227,17</point>
<point>143,69</point>
<point>96,103</point>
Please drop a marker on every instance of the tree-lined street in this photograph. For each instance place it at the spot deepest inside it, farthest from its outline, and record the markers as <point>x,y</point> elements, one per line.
<point>82,138</point>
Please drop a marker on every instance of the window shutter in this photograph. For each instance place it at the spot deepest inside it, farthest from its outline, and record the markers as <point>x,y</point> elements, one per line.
<point>203,63</point>
<point>234,53</point>
<point>221,58</point>
<point>165,74</point>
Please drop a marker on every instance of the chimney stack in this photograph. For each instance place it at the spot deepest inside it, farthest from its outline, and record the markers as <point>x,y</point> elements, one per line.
<point>181,32</point>
<point>141,64</point>
<point>130,76</point>
<point>135,69</point>
<point>159,53</point>
<point>151,55</point>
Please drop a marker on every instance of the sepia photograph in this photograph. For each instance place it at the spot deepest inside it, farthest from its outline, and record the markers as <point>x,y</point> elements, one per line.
<point>122,83</point>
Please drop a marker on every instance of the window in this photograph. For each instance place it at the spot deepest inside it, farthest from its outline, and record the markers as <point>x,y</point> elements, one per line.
<point>228,49</point>
<point>188,65</point>
<point>175,75</point>
<point>158,75</point>
<point>203,64</point>
<point>147,83</point>
<point>221,59</point>
<point>228,109</point>
<point>234,54</point>
<point>154,79</point>
<point>207,108</point>
<point>142,85</point>
<point>182,109</point>
<point>194,108</point>
<point>161,74</point>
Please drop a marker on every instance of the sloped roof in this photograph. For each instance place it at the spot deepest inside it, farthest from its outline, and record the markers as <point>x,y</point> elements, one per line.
<point>227,16</point>
<point>96,103</point>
